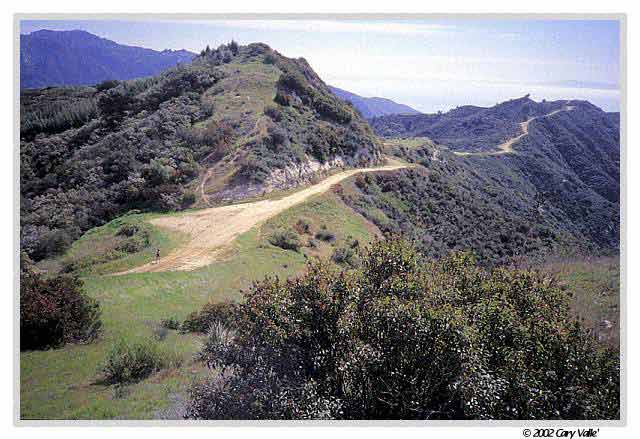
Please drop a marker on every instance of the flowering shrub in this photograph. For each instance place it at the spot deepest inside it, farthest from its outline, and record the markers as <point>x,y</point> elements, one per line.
<point>285,239</point>
<point>404,338</point>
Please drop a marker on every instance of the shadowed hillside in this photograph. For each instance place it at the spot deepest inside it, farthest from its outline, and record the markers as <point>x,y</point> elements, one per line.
<point>557,188</point>
<point>466,128</point>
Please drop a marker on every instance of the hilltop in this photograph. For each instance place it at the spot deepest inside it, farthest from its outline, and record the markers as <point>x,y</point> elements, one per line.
<point>54,58</point>
<point>240,121</point>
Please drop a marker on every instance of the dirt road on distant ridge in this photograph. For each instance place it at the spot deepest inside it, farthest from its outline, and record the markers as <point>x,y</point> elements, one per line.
<point>507,147</point>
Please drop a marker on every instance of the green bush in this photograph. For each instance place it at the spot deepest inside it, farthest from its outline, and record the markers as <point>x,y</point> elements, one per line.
<point>219,336</point>
<point>406,338</point>
<point>55,310</point>
<point>285,239</point>
<point>114,104</point>
<point>270,58</point>
<point>345,256</point>
<point>128,230</point>
<point>273,112</point>
<point>134,244</point>
<point>133,361</point>
<point>201,321</point>
<point>188,198</point>
<point>170,323</point>
<point>303,226</point>
<point>325,235</point>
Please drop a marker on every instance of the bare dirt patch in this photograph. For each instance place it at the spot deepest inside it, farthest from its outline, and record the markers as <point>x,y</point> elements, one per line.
<point>212,230</point>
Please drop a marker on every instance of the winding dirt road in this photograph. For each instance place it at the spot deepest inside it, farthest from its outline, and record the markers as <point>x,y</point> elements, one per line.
<point>213,229</point>
<point>507,147</point>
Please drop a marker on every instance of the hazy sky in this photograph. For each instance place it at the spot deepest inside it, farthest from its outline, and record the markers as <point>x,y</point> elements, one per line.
<point>428,64</point>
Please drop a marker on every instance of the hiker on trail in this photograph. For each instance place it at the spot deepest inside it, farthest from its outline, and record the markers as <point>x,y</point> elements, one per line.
<point>157,255</point>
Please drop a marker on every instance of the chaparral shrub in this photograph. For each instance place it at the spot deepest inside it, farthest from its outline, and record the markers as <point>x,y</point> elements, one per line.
<point>55,310</point>
<point>345,256</point>
<point>130,361</point>
<point>201,321</point>
<point>405,338</point>
<point>325,235</point>
<point>285,239</point>
<point>170,323</point>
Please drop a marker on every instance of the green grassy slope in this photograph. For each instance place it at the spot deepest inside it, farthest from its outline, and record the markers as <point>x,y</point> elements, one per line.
<point>64,383</point>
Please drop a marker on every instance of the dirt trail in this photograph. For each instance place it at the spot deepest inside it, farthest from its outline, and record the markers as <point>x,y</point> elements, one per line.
<point>203,181</point>
<point>213,229</point>
<point>507,147</point>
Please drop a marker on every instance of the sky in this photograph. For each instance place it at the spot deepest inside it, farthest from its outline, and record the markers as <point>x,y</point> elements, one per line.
<point>431,65</point>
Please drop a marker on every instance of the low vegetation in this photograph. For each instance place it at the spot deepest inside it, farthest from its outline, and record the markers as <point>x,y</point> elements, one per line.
<point>56,110</point>
<point>325,235</point>
<point>201,321</point>
<point>403,338</point>
<point>170,323</point>
<point>347,256</point>
<point>54,310</point>
<point>132,361</point>
<point>285,239</point>
<point>122,243</point>
<point>594,285</point>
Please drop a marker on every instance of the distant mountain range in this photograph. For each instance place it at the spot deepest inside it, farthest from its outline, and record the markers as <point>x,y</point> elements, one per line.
<point>373,107</point>
<point>80,58</point>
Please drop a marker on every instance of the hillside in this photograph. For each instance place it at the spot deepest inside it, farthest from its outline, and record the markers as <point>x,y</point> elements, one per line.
<point>49,58</point>
<point>236,123</point>
<point>466,128</point>
<point>557,188</point>
<point>373,107</point>
<point>584,142</point>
